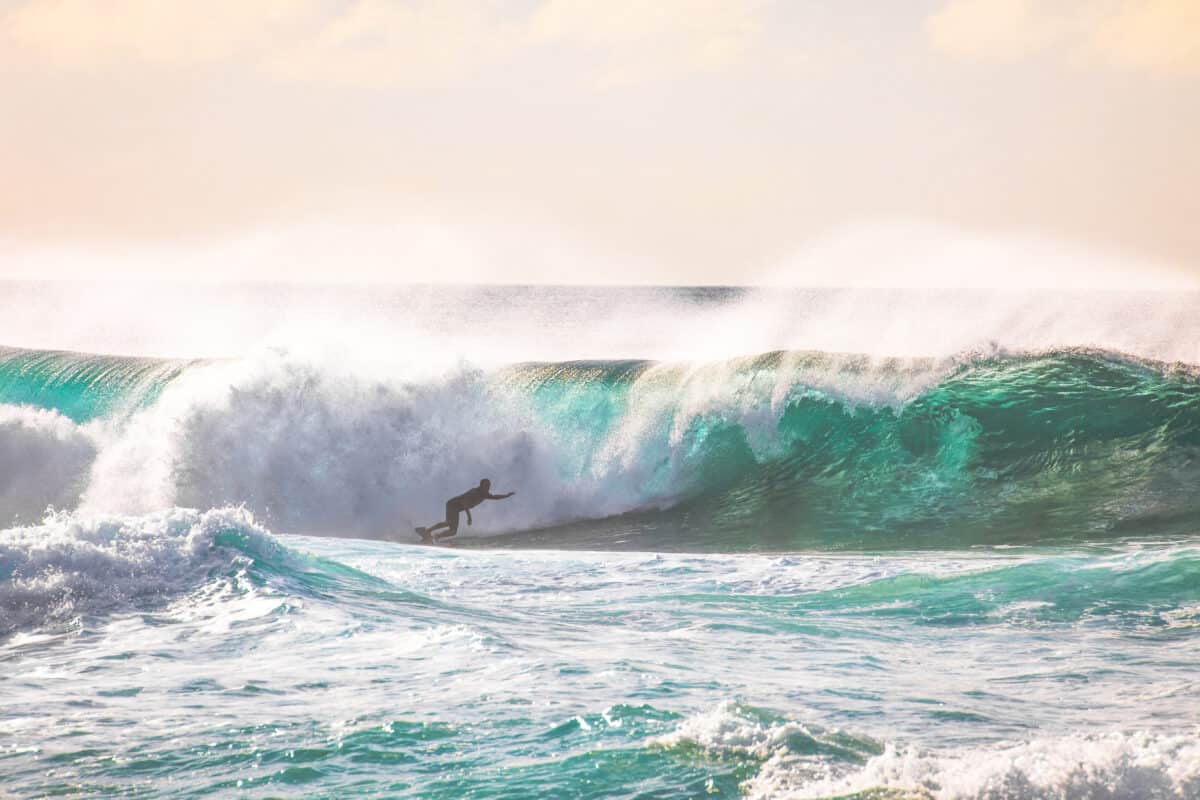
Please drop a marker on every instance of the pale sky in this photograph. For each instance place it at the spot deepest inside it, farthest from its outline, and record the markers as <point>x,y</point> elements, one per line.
<point>914,142</point>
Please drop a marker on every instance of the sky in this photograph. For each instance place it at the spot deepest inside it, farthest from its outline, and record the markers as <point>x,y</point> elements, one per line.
<point>915,142</point>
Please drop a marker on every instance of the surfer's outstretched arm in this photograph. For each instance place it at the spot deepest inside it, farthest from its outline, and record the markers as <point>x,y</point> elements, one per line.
<point>500,496</point>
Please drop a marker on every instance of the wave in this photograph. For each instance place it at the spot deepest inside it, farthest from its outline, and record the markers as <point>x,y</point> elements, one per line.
<point>798,761</point>
<point>72,566</point>
<point>796,449</point>
<point>779,450</point>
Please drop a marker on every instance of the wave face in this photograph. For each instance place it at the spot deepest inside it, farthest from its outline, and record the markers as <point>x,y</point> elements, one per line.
<point>81,386</point>
<point>777,451</point>
<point>802,447</point>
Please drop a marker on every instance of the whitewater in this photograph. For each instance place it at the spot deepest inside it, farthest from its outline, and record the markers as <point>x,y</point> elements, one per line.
<point>765,543</point>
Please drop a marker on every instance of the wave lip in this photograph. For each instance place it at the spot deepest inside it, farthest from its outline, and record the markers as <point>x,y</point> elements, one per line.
<point>74,565</point>
<point>83,386</point>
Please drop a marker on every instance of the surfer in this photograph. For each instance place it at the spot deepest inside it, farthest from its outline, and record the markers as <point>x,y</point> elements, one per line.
<point>464,502</point>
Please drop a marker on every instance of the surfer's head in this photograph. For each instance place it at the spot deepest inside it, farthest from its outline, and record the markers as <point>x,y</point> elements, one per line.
<point>485,484</point>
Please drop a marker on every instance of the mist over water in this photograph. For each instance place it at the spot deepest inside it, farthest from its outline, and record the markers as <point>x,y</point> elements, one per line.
<point>765,543</point>
<point>506,324</point>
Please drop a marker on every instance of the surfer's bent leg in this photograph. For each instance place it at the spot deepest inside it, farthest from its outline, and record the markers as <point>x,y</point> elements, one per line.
<point>451,523</point>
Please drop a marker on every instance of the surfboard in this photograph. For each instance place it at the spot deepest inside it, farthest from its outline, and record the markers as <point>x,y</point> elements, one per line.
<point>429,540</point>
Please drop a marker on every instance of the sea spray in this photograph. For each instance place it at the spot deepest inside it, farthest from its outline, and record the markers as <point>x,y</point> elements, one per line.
<point>45,461</point>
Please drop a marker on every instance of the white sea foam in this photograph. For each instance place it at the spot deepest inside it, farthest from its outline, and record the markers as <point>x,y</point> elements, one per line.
<point>44,461</point>
<point>1115,765</point>
<point>733,729</point>
<point>312,446</point>
<point>494,324</point>
<point>75,564</point>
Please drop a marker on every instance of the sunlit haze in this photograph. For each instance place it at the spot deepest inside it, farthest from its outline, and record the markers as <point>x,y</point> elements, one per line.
<point>921,143</point>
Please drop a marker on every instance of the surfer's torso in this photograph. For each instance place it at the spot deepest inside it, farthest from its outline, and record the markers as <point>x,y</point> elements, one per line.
<point>468,499</point>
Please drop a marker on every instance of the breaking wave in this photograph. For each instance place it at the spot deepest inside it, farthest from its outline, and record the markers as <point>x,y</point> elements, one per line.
<point>74,565</point>
<point>783,449</point>
<point>798,761</point>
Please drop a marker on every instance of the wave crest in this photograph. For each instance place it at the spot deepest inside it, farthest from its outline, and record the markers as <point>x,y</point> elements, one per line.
<point>73,565</point>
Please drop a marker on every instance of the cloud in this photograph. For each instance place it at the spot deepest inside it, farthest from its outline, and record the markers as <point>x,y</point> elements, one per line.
<point>389,42</point>
<point>657,39</point>
<point>992,29</point>
<point>1159,36</point>
<point>383,42</point>
<point>85,33</point>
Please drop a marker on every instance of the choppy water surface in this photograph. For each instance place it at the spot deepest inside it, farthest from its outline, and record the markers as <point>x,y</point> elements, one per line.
<point>300,666</point>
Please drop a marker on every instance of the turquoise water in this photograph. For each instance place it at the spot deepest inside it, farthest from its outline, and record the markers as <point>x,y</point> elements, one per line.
<point>82,387</point>
<point>297,666</point>
<point>787,574</point>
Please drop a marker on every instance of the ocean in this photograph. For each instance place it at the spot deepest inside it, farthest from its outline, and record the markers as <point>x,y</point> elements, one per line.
<point>765,543</point>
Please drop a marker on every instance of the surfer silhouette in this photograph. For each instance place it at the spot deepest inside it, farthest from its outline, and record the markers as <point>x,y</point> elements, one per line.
<point>455,505</point>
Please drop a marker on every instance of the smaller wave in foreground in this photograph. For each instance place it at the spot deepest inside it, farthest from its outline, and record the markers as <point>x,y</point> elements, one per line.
<point>797,761</point>
<point>73,566</point>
